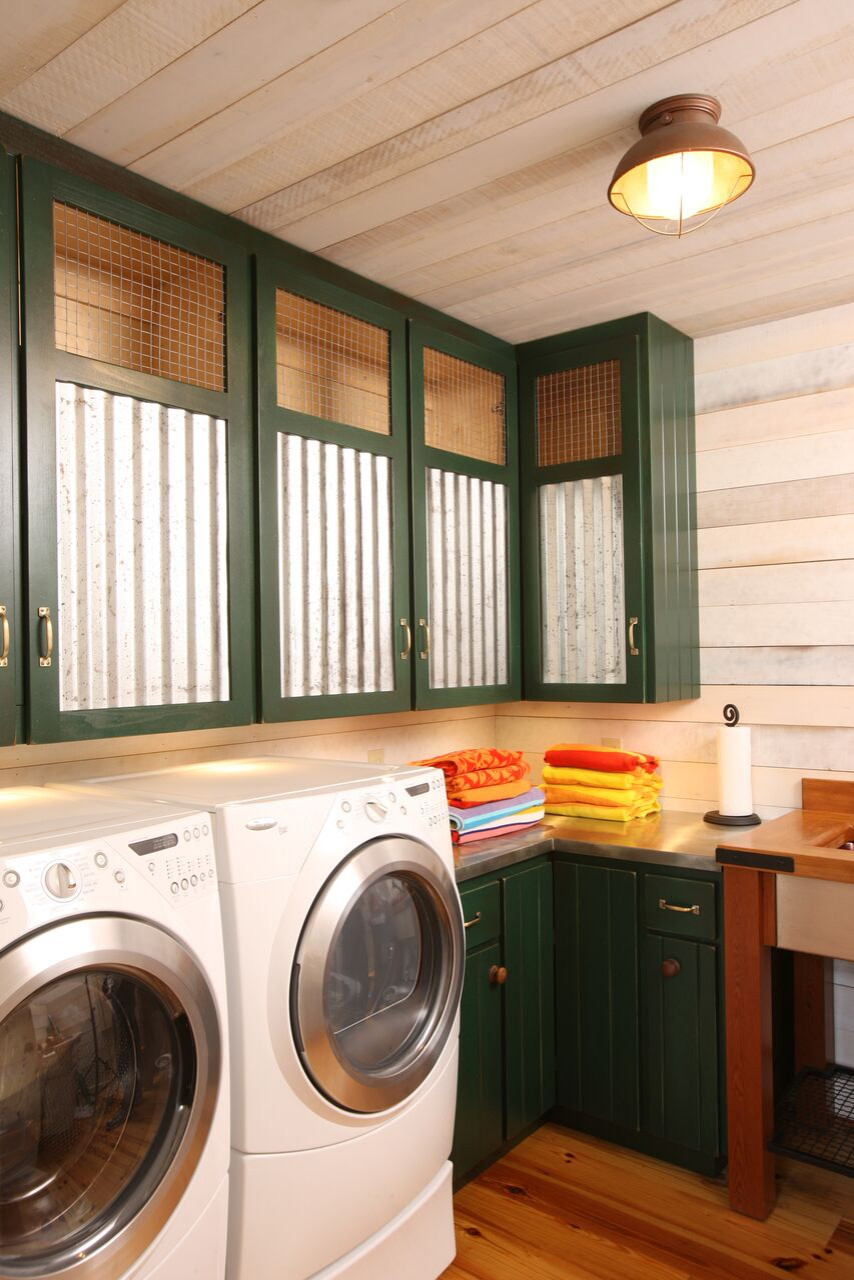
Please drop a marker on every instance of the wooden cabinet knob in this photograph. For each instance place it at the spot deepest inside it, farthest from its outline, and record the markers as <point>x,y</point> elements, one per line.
<point>670,968</point>
<point>498,974</point>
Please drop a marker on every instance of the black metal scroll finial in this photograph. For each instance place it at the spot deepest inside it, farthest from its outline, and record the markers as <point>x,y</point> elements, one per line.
<point>731,714</point>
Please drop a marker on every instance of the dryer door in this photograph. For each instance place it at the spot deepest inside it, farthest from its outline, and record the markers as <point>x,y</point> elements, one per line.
<point>378,974</point>
<point>110,1061</point>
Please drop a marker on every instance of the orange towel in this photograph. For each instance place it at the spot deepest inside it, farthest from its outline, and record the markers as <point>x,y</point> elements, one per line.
<point>599,796</point>
<point>486,778</point>
<point>580,755</point>
<point>457,762</point>
<point>485,795</point>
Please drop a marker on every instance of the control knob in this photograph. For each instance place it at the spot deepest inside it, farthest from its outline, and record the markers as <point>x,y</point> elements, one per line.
<point>60,881</point>
<point>376,810</point>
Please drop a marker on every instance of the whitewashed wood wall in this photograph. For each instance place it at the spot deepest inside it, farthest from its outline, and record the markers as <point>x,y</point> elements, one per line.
<point>775,478</point>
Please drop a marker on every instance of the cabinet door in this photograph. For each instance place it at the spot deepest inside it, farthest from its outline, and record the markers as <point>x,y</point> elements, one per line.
<point>529,996</point>
<point>583,523</point>
<point>465,521</point>
<point>681,1043</point>
<point>335,621</point>
<point>479,1126</point>
<point>597,1000</point>
<point>10,632</point>
<point>139,466</point>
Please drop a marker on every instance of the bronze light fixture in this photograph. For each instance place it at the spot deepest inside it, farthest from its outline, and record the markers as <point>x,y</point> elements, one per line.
<point>684,168</point>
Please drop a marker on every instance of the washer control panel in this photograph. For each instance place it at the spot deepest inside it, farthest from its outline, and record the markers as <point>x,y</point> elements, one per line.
<point>430,799</point>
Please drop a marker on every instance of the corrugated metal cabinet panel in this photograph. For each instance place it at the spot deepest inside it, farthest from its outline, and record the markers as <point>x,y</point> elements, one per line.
<point>10,594</point>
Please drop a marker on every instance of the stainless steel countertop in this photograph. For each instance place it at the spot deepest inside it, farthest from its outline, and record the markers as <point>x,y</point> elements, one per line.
<point>671,839</point>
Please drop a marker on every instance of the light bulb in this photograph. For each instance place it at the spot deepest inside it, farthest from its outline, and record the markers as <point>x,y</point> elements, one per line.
<point>680,185</point>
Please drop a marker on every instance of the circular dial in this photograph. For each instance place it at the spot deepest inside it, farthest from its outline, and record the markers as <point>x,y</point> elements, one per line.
<point>376,810</point>
<point>61,882</point>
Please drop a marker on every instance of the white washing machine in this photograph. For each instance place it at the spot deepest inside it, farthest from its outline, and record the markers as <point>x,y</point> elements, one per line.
<point>345,950</point>
<point>114,1107</point>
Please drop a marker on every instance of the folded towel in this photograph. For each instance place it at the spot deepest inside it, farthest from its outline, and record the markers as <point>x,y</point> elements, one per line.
<point>532,814</point>
<point>580,755</point>
<point>464,819</point>
<point>600,796</point>
<point>474,758</point>
<point>493,833</point>
<point>622,813</point>
<point>485,795</point>
<point>566,777</point>
<point>463,782</point>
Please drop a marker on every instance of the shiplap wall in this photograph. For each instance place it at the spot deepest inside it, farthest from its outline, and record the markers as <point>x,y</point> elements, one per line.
<point>775,477</point>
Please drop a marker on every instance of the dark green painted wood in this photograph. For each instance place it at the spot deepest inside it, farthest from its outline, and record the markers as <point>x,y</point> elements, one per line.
<point>681,892</point>
<point>273,421</point>
<point>11,684</point>
<point>40,185</point>
<point>481,912</point>
<point>659,480</point>
<point>479,1126</point>
<point>681,1044</point>
<point>424,458</point>
<point>597,996</point>
<point>529,995</point>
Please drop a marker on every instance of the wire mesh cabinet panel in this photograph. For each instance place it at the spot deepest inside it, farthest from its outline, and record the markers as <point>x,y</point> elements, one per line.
<point>10,602</point>
<point>139,455</point>
<point>335,621</point>
<point>609,540</point>
<point>465,520</point>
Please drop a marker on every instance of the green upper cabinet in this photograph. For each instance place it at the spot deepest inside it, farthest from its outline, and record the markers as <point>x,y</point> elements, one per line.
<point>139,466</point>
<point>10,604</point>
<point>336,631</point>
<point>608,523</point>
<point>465,490</point>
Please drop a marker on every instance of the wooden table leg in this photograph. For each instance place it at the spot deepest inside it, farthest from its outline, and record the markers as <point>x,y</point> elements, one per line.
<point>748,902</point>
<point>813,1011</point>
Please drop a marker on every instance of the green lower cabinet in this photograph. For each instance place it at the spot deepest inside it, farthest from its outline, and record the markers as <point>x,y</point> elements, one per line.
<point>681,1043</point>
<point>479,1127</point>
<point>598,1002</point>
<point>529,996</point>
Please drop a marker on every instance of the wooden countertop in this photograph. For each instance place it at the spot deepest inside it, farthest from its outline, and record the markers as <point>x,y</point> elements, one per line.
<point>802,843</point>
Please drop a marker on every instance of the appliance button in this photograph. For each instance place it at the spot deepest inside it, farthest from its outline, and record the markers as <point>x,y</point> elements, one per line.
<point>174,886</point>
<point>376,810</point>
<point>205,830</point>
<point>152,867</point>
<point>1,906</point>
<point>196,832</point>
<point>340,825</point>
<point>100,859</point>
<point>390,798</point>
<point>194,880</point>
<point>261,824</point>
<point>346,807</point>
<point>186,835</point>
<point>11,879</point>
<point>202,877</point>
<point>119,877</point>
<point>185,883</point>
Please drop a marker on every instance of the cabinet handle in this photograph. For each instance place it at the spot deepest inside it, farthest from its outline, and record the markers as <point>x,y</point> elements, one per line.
<point>468,924</point>
<point>7,639</point>
<point>425,652</point>
<point>664,905</point>
<point>670,968</point>
<point>46,654</point>
<point>498,975</point>
<point>407,648</point>
<point>633,649</point>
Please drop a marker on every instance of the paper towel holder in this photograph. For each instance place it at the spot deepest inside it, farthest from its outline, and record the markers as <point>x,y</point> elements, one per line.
<point>731,718</point>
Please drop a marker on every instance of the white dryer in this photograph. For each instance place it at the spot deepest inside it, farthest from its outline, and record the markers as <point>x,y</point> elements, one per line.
<point>114,1115</point>
<point>345,949</point>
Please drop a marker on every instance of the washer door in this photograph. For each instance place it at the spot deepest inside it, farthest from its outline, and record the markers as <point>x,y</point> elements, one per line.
<point>110,1061</point>
<point>378,973</point>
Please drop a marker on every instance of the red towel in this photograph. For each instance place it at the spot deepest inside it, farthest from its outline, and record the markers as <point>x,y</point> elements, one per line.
<point>478,778</point>
<point>579,755</point>
<point>457,762</point>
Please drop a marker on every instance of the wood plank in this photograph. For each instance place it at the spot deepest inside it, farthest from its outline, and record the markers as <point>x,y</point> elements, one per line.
<point>782,665</point>
<point>40,31</point>
<point>778,584</point>
<point>793,375</point>
<point>808,457</point>
<point>725,626</point>
<point>833,795</point>
<point>749,1041</point>
<point>770,420</point>
<point>777,542</point>
<point>813,984</point>
<point>780,705</point>
<point>832,495</point>
<point>830,327</point>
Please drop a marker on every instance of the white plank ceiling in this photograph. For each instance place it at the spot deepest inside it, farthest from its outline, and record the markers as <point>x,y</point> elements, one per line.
<point>460,152</point>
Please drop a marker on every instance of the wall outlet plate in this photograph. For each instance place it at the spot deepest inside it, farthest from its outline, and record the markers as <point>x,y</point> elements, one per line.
<point>615,744</point>
<point>376,755</point>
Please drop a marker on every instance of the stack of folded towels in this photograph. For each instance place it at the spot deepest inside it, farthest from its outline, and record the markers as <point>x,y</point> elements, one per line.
<point>489,793</point>
<point>596,782</point>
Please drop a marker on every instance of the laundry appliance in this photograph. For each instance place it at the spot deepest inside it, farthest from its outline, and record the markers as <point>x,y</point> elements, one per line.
<point>345,951</point>
<point>114,1097</point>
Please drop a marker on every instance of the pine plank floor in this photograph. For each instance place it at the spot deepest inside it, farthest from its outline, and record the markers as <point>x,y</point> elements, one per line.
<point>562,1206</point>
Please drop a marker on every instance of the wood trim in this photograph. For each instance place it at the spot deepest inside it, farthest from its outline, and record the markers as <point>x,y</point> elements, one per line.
<point>749,1036</point>
<point>769,911</point>
<point>813,1011</point>
<point>828,795</point>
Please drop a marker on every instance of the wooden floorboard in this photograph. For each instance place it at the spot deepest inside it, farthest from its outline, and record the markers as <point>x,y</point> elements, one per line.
<point>562,1206</point>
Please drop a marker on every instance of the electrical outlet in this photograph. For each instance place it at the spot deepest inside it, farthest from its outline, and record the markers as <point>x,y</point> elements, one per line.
<point>615,744</point>
<point>376,755</point>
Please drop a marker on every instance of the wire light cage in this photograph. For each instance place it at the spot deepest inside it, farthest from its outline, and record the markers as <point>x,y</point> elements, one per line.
<point>464,408</point>
<point>127,299</point>
<point>332,365</point>
<point>579,414</point>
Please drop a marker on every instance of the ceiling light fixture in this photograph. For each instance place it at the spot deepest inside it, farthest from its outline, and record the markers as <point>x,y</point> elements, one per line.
<point>684,168</point>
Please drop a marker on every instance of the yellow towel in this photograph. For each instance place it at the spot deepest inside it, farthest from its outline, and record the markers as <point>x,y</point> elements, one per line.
<point>599,796</point>
<point>598,778</point>
<point>624,813</point>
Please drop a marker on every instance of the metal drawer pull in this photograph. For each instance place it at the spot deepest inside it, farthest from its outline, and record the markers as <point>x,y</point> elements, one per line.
<point>467,924</point>
<point>47,652</point>
<point>407,648</point>
<point>7,640</point>
<point>425,652</point>
<point>664,905</point>
<point>633,649</point>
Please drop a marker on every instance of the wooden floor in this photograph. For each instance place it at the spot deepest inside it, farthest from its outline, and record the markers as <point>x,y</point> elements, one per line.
<point>570,1207</point>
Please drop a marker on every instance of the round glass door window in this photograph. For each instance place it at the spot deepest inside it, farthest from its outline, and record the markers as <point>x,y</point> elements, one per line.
<point>96,1086</point>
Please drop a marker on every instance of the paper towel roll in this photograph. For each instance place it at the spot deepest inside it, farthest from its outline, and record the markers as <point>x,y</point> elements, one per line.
<point>735,793</point>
